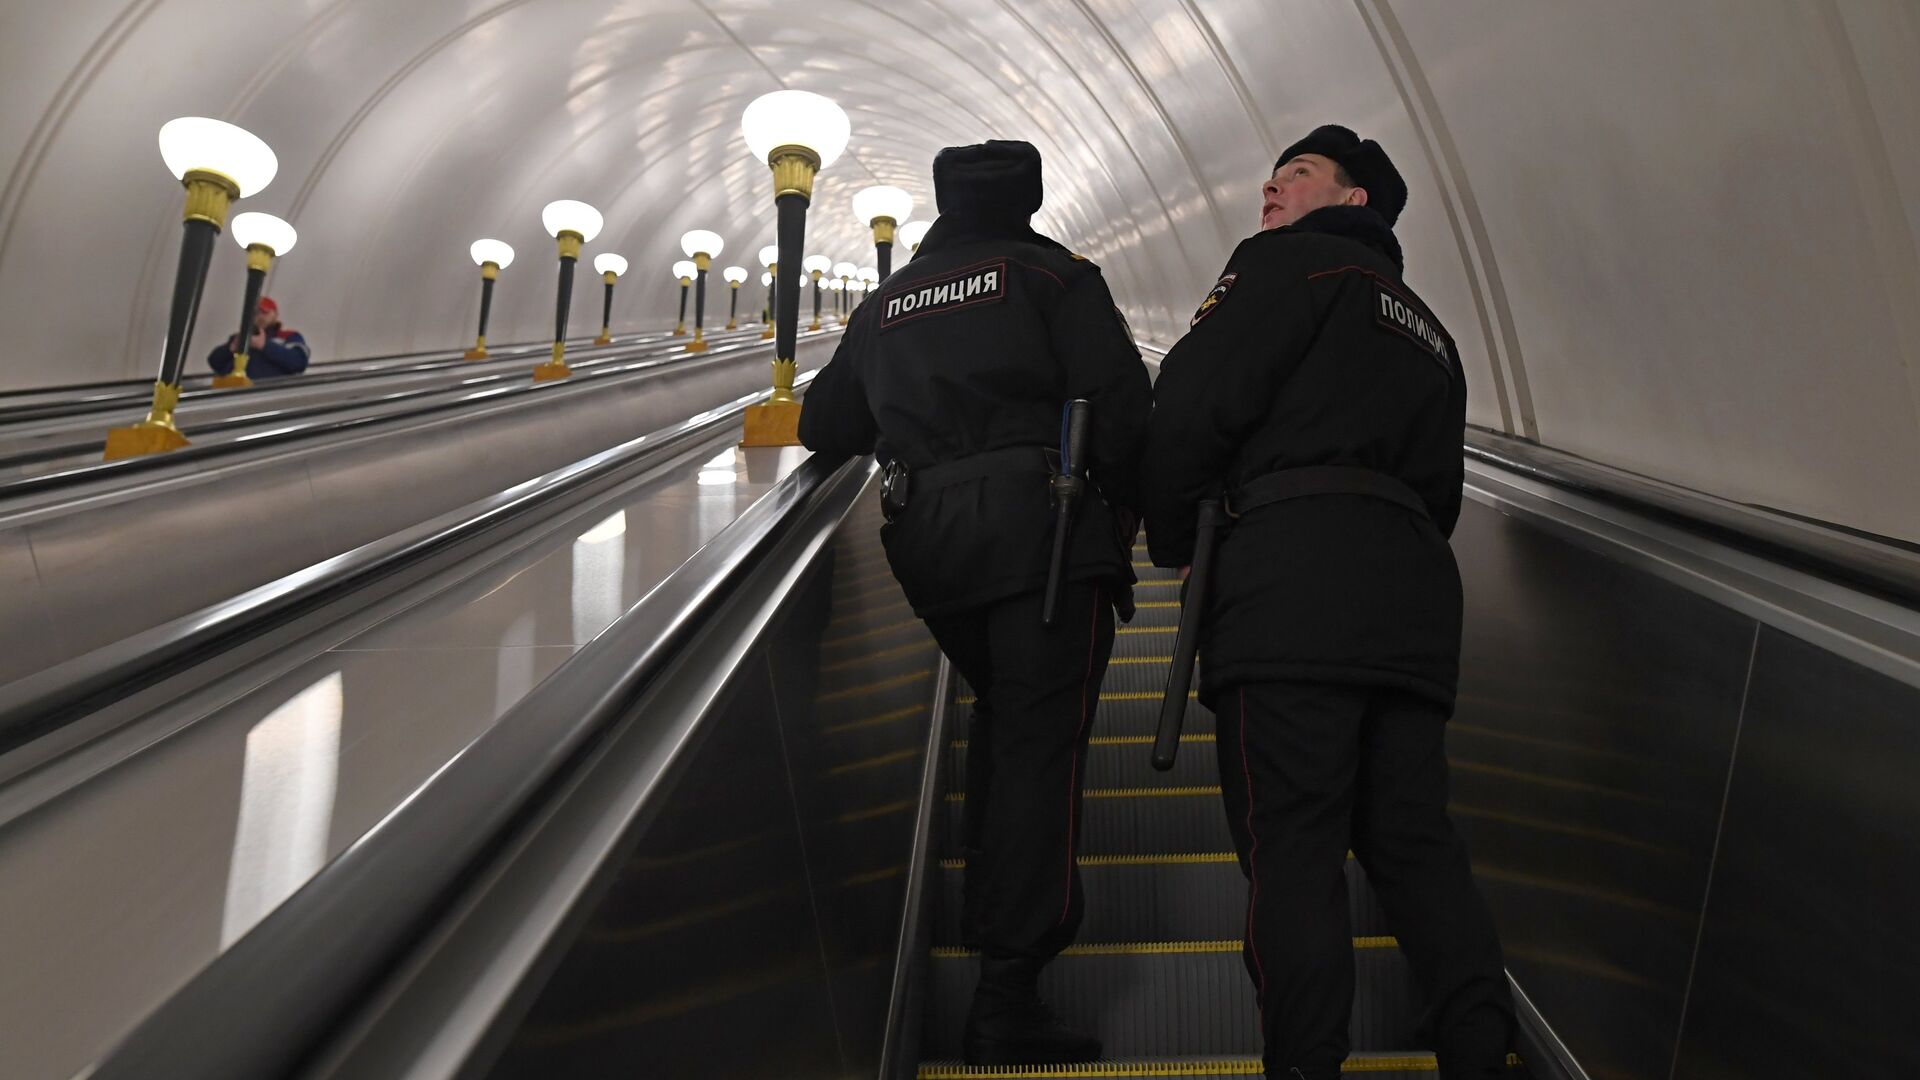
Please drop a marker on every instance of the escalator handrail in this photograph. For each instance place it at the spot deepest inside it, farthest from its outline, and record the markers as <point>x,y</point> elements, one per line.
<point>262,1006</point>
<point>328,374</point>
<point>1878,564</point>
<point>901,1037</point>
<point>138,391</point>
<point>47,700</point>
<point>25,486</point>
<point>615,358</point>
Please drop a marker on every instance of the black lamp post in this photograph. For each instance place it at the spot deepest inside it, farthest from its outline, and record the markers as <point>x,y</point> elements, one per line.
<point>797,134</point>
<point>493,256</point>
<point>611,266</point>
<point>571,223</point>
<point>217,163</point>
<point>264,236</point>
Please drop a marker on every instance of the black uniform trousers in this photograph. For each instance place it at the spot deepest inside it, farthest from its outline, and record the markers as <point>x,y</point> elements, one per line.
<point>1036,691</point>
<point>1309,770</point>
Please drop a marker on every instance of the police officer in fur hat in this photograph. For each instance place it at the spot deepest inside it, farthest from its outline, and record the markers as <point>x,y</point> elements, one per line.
<point>1323,399</point>
<point>956,371</point>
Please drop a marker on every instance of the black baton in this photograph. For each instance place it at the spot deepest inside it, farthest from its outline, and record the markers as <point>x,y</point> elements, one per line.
<point>1068,485</point>
<point>1186,640</point>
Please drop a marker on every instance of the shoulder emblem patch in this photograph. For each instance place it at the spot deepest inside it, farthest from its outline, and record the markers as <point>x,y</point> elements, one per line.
<point>1214,297</point>
<point>1397,314</point>
<point>982,283</point>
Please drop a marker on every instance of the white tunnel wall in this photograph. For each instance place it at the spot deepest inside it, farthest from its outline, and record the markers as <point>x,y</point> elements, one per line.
<point>1675,237</point>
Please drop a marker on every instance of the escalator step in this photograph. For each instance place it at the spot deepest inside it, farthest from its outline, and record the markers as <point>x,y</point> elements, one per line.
<point>1171,998</point>
<point>1386,1066</point>
<point>1131,821</point>
<point>1122,761</point>
<point>1163,898</point>
<point>1127,714</point>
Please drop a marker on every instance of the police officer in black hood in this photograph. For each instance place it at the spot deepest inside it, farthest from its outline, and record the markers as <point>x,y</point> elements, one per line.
<point>1323,399</point>
<point>956,371</point>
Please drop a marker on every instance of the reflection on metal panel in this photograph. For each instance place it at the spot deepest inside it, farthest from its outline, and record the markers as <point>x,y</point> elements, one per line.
<point>599,571</point>
<point>514,675</point>
<point>286,804</point>
<point>719,472</point>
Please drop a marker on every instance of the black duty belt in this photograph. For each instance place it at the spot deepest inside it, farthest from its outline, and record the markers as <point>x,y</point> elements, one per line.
<point>1309,480</point>
<point>1013,460</point>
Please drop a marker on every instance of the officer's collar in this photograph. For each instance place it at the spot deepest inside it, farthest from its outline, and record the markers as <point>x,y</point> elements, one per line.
<point>1362,223</point>
<point>953,230</point>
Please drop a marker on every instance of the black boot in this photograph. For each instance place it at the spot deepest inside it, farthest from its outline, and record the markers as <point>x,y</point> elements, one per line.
<point>1009,1024</point>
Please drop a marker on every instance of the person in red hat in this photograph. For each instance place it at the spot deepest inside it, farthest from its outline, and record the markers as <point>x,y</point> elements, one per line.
<point>273,351</point>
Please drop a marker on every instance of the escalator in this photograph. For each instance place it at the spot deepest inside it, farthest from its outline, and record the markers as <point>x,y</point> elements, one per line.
<point>719,840</point>
<point>67,437</point>
<point>1157,972</point>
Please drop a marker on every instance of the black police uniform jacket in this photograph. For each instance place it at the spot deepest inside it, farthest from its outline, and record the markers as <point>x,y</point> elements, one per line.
<point>1311,350</point>
<point>976,345</point>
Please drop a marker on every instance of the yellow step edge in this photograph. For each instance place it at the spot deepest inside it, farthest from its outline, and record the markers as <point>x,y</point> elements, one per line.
<point>1194,859</point>
<point>1157,948</point>
<point>1116,740</point>
<point>1147,630</point>
<point>1126,793</point>
<point>1117,695</point>
<point>1374,1063</point>
<point>1119,660</point>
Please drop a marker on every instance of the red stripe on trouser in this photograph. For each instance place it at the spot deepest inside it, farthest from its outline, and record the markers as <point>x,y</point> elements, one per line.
<point>1073,775</point>
<point>1253,866</point>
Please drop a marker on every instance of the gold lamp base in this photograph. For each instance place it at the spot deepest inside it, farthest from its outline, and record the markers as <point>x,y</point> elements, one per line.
<point>775,423</point>
<point>732,325</point>
<point>767,334</point>
<point>696,345</point>
<point>231,382</point>
<point>815,325</point>
<point>680,331</point>
<point>476,354</point>
<point>141,439</point>
<point>603,339</point>
<point>552,369</point>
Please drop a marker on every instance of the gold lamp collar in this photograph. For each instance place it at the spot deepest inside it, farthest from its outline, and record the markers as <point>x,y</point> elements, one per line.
<point>209,194</point>
<point>702,261</point>
<point>883,228</point>
<point>570,242</point>
<point>259,257</point>
<point>610,277</point>
<point>794,168</point>
<point>685,281</point>
<point>490,270</point>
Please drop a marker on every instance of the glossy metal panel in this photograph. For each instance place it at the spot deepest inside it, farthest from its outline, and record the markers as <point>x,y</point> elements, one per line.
<point>1808,963</point>
<point>1597,714</point>
<point>702,958</point>
<point>134,558</point>
<point>1597,209</point>
<point>753,932</point>
<point>116,892</point>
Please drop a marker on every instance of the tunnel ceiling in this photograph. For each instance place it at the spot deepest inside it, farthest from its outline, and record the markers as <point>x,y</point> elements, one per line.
<point>1678,238</point>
